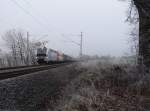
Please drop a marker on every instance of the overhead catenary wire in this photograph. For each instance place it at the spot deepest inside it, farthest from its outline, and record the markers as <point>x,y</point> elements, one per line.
<point>30,14</point>
<point>70,40</point>
<point>37,13</point>
<point>79,44</point>
<point>44,25</point>
<point>44,18</point>
<point>27,2</point>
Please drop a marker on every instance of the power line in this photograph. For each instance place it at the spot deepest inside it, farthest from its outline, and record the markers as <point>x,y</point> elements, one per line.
<point>27,2</point>
<point>37,13</point>
<point>35,18</point>
<point>28,13</point>
<point>43,17</point>
<point>79,44</point>
<point>44,25</point>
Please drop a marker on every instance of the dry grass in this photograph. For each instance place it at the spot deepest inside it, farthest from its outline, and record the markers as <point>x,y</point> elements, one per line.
<point>103,87</point>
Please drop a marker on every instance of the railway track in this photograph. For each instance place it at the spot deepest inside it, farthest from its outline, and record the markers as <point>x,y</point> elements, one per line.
<point>6,73</point>
<point>7,68</point>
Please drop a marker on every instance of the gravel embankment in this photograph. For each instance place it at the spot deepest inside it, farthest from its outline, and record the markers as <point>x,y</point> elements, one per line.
<point>33,92</point>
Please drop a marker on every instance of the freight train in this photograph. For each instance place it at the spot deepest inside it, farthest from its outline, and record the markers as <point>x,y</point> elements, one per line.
<point>50,56</point>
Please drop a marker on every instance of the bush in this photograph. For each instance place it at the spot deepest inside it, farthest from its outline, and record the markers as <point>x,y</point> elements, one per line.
<point>103,87</point>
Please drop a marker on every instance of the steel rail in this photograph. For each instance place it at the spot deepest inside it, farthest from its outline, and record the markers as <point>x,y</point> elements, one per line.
<point>16,67</point>
<point>27,70</point>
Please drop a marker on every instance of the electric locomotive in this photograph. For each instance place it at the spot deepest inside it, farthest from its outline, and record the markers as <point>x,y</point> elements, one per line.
<point>51,56</point>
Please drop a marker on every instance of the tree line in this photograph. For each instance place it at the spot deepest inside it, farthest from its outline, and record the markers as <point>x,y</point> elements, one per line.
<point>19,50</point>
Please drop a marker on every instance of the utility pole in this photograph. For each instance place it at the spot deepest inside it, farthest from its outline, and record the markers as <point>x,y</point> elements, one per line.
<point>28,48</point>
<point>81,44</point>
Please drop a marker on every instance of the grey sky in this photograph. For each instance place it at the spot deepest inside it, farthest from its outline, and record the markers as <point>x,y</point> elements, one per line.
<point>101,21</point>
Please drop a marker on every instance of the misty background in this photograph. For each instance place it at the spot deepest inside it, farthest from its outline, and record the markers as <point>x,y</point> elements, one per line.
<point>102,22</point>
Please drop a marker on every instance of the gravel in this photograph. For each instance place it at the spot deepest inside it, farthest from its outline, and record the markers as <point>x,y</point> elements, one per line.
<point>32,92</point>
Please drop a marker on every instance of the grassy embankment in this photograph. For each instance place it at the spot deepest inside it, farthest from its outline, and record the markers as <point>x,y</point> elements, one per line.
<point>106,87</point>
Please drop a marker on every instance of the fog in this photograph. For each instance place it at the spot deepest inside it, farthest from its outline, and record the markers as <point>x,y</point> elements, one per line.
<point>102,22</point>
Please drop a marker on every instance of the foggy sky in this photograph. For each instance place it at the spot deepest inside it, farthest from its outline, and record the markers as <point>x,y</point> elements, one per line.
<point>101,21</point>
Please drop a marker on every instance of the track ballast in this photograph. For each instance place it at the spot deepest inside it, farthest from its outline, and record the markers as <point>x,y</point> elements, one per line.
<point>23,70</point>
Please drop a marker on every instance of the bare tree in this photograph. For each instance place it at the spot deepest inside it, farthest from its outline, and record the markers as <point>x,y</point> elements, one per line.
<point>133,20</point>
<point>143,9</point>
<point>10,39</point>
<point>21,50</point>
<point>1,59</point>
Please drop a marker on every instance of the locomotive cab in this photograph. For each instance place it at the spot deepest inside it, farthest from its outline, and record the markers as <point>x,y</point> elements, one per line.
<point>42,55</point>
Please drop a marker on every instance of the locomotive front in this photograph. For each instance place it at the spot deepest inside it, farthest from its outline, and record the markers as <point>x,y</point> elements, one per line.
<point>42,55</point>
